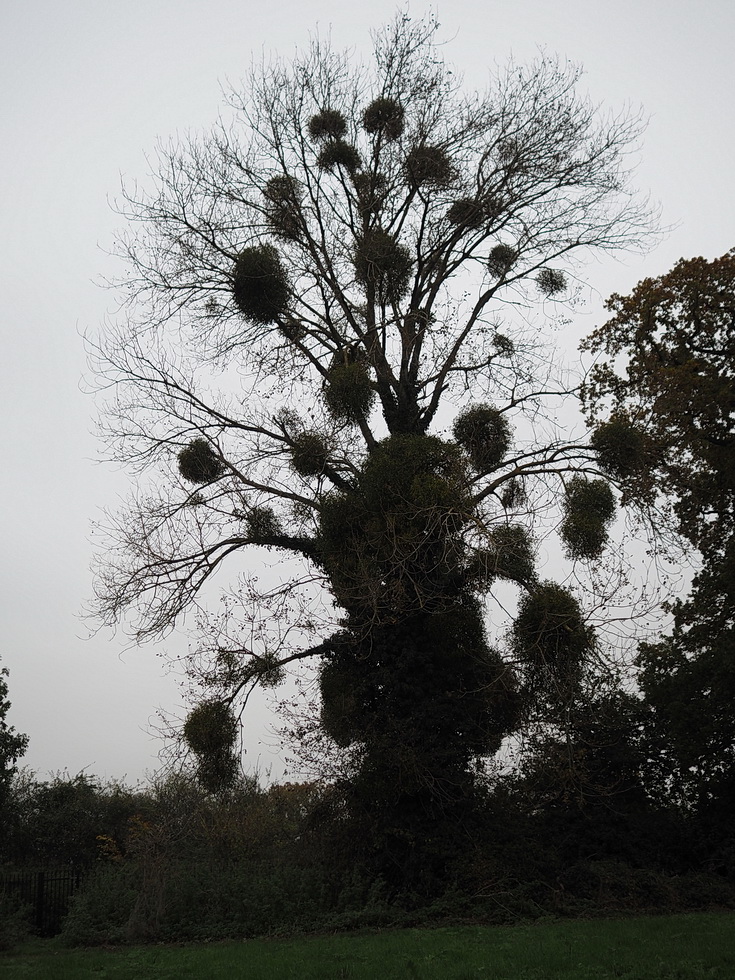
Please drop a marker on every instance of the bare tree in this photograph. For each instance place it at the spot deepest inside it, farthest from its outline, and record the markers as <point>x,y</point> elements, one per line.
<point>352,261</point>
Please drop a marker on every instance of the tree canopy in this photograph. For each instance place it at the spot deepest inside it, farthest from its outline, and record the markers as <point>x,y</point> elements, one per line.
<point>664,405</point>
<point>318,290</point>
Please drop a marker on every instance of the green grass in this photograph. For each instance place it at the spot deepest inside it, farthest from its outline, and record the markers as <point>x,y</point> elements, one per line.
<point>681,947</point>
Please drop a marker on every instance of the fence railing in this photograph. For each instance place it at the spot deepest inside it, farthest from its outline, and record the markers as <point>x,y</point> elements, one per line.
<point>47,894</point>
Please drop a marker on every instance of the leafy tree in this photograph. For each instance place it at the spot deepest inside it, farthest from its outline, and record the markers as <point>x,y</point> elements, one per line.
<point>314,288</point>
<point>664,404</point>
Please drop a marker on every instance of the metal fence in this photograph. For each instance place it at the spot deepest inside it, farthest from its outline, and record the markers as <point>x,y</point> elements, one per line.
<point>45,893</point>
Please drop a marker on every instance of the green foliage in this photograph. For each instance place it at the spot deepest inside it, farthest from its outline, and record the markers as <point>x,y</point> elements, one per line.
<point>349,393</point>
<point>337,153</point>
<point>309,454</point>
<point>620,448</point>
<point>429,166</point>
<point>670,356</point>
<point>259,284</point>
<point>501,260</point>
<point>198,462</point>
<point>14,922</point>
<point>551,281</point>
<point>390,544</point>
<point>383,264</point>
<point>327,124</point>
<point>484,432</point>
<point>589,507</point>
<point>384,116</point>
<point>57,823</point>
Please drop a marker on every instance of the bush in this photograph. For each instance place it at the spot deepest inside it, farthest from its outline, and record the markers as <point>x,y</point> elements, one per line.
<point>14,922</point>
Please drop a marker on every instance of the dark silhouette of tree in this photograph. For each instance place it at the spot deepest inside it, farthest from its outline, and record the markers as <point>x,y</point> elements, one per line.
<point>12,744</point>
<point>312,289</point>
<point>664,404</point>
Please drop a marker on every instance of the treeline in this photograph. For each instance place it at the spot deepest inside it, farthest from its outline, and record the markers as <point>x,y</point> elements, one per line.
<point>172,861</point>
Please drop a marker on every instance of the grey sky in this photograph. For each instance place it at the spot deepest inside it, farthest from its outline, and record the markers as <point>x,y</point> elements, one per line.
<point>88,86</point>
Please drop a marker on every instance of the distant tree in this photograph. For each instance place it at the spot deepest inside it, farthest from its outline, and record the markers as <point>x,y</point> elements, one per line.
<point>12,744</point>
<point>664,405</point>
<point>312,290</point>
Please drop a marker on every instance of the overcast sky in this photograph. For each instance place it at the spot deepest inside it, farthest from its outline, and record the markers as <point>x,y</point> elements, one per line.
<point>87,88</point>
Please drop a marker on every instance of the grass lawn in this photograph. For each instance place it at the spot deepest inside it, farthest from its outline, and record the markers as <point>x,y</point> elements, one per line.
<point>700,947</point>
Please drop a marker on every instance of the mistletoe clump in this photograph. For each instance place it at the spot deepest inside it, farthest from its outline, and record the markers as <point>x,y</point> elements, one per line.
<point>514,553</point>
<point>283,209</point>
<point>501,260</point>
<point>349,393</point>
<point>309,454</point>
<point>467,212</point>
<point>620,447</point>
<point>338,153</point>
<point>262,524</point>
<point>589,507</point>
<point>198,463</point>
<point>484,433</point>
<point>210,731</point>
<point>259,284</point>
<point>551,639</point>
<point>429,166</point>
<point>551,282</point>
<point>382,263</point>
<point>327,124</point>
<point>384,116</point>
